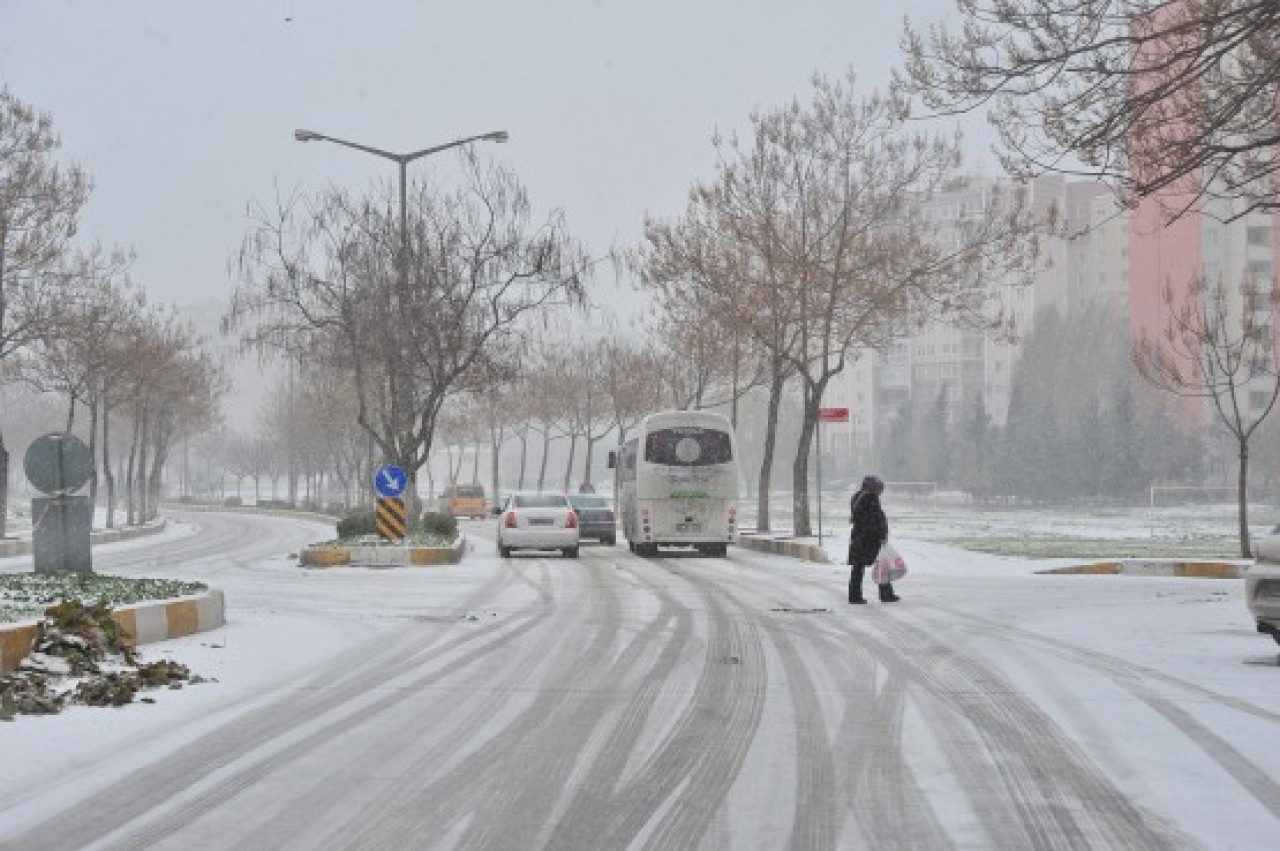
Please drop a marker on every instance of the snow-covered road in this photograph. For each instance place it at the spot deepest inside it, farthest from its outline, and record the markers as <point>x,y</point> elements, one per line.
<point>679,702</point>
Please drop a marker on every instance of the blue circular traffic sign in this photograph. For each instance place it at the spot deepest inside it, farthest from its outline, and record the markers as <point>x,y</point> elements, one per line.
<point>390,480</point>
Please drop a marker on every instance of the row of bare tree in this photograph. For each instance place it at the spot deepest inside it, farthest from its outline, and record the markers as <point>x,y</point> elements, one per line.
<point>72,323</point>
<point>811,246</point>
<point>580,393</point>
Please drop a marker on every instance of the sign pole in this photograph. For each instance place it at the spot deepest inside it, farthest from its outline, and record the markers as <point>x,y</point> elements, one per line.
<point>825,415</point>
<point>817,438</point>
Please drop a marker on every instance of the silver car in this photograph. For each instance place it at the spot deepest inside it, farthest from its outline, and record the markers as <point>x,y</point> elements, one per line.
<point>538,521</point>
<point>1262,586</point>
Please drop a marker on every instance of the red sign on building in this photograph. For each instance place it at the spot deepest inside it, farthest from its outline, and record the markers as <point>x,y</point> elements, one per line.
<point>833,415</point>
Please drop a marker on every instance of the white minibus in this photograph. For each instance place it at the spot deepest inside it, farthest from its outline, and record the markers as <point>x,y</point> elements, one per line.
<point>677,483</point>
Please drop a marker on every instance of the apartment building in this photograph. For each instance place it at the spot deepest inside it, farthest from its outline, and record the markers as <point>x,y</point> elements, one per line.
<point>1085,262</point>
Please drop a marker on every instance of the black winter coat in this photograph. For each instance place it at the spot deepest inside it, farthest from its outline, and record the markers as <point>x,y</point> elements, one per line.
<point>870,528</point>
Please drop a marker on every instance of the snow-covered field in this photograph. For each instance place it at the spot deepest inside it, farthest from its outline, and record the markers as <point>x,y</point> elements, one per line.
<point>1003,706</point>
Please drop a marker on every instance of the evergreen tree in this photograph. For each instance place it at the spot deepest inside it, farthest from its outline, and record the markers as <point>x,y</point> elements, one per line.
<point>971,451</point>
<point>936,447</point>
<point>897,449</point>
<point>1122,474</point>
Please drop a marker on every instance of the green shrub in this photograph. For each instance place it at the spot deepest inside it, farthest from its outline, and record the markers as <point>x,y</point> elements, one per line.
<point>444,525</point>
<point>361,523</point>
<point>366,523</point>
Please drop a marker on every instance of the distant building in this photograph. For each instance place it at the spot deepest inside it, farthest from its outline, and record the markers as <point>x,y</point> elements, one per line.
<point>963,363</point>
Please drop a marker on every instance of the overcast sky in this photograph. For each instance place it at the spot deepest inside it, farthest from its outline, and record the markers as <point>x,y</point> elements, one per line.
<point>184,112</point>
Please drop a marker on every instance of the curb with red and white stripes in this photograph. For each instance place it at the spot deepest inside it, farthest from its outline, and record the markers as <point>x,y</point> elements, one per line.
<point>143,623</point>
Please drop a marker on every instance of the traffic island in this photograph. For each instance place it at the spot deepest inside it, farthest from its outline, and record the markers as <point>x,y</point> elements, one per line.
<point>81,654</point>
<point>382,555</point>
<point>139,623</point>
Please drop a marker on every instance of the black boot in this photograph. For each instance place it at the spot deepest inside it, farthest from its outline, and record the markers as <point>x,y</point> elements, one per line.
<point>855,584</point>
<point>887,595</point>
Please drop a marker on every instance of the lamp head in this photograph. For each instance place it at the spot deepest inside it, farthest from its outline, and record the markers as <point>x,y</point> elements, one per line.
<point>497,136</point>
<point>306,135</point>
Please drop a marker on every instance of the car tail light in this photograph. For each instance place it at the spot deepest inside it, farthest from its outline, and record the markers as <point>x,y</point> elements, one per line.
<point>510,521</point>
<point>571,521</point>
<point>733,516</point>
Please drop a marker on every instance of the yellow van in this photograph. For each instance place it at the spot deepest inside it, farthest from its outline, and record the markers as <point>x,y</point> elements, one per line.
<point>464,501</point>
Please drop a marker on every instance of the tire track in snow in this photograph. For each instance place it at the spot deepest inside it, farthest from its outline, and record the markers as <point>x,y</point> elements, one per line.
<point>705,748</point>
<point>1052,791</point>
<point>590,811</point>
<point>496,778</point>
<point>888,807</point>
<point>242,750</point>
<point>1019,803</point>
<point>1135,679</point>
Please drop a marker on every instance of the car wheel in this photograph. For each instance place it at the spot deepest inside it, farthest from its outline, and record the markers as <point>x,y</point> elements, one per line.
<point>505,552</point>
<point>570,552</point>
<point>609,542</point>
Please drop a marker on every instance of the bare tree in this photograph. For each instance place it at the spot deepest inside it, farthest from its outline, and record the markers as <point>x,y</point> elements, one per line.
<point>699,265</point>
<point>545,408</point>
<point>593,407</point>
<point>628,396</point>
<point>820,217</point>
<point>40,203</point>
<point>1157,96</point>
<point>701,360</point>
<point>72,356</point>
<point>1221,348</point>
<point>323,275</point>
<point>250,457</point>
<point>331,443</point>
<point>172,389</point>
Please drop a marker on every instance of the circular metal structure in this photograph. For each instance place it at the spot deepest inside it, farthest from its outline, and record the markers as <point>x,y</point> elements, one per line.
<point>58,462</point>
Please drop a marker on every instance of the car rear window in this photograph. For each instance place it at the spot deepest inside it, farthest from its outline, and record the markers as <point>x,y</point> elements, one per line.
<point>539,500</point>
<point>589,502</point>
<point>470,492</point>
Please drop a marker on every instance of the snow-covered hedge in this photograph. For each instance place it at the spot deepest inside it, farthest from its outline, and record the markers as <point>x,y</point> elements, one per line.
<point>27,595</point>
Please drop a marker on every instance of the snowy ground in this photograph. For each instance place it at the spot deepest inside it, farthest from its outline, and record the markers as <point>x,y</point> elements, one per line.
<point>1136,686</point>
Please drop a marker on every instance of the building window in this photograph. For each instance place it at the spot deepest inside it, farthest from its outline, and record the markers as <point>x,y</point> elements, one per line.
<point>1260,235</point>
<point>1260,270</point>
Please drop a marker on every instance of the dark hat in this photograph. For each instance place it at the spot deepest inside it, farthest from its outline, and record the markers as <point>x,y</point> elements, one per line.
<point>873,484</point>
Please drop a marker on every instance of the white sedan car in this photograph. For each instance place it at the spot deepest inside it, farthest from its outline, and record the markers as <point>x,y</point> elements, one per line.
<point>538,521</point>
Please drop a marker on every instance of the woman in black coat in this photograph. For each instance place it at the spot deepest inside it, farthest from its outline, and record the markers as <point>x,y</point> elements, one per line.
<point>870,531</point>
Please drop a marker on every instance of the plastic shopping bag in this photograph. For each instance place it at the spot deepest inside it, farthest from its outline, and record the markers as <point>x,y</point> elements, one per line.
<point>889,566</point>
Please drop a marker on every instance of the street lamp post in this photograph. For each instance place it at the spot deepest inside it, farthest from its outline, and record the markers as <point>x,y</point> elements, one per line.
<point>402,160</point>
